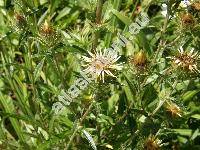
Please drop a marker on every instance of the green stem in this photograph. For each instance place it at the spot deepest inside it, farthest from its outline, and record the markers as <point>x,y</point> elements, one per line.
<point>98,21</point>
<point>79,124</point>
<point>162,33</point>
<point>135,6</point>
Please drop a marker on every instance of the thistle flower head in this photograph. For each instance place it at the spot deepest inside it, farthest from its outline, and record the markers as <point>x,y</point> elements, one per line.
<point>196,6</point>
<point>187,60</point>
<point>152,143</point>
<point>20,20</point>
<point>139,60</point>
<point>19,17</point>
<point>187,19</point>
<point>99,64</point>
<point>48,35</point>
<point>46,29</point>
<point>173,110</point>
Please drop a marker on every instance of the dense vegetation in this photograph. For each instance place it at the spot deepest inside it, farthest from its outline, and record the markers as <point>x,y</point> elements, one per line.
<point>145,95</point>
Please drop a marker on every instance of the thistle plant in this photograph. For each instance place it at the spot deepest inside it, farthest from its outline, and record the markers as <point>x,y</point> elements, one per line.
<point>99,74</point>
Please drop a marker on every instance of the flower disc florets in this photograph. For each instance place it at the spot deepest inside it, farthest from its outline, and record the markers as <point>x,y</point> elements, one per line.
<point>99,64</point>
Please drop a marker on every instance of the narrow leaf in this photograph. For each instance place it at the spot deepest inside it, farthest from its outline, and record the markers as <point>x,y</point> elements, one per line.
<point>38,69</point>
<point>122,17</point>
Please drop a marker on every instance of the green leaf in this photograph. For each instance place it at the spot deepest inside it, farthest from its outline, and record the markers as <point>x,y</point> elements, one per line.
<point>152,79</point>
<point>143,42</point>
<point>38,70</point>
<point>122,17</point>
<point>66,121</point>
<point>43,2</point>
<point>9,108</point>
<point>1,3</point>
<point>63,13</point>
<point>184,132</point>
<point>42,17</point>
<point>112,102</point>
<point>195,134</point>
<point>196,116</point>
<point>189,95</point>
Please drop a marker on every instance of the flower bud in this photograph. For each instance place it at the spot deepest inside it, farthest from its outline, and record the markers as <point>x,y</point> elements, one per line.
<point>47,30</point>
<point>139,60</point>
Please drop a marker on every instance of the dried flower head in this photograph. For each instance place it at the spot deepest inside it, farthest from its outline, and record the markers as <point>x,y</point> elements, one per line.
<point>152,143</point>
<point>100,63</point>
<point>47,29</point>
<point>196,6</point>
<point>173,110</point>
<point>20,20</point>
<point>187,60</point>
<point>48,34</point>
<point>187,20</point>
<point>139,60</point>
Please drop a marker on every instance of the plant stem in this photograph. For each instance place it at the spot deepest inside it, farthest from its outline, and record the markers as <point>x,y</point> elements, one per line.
<point>162,33</point>
<point>98,22</point>
<point>79,124</point>
<point>135,6</point>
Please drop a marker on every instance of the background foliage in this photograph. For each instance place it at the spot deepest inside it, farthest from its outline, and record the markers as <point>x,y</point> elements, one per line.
<point>152,104</point>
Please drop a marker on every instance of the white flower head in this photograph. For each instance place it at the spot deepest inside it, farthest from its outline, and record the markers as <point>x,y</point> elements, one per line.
<point>99,64</point>
<point>185,3</point>
<point>187,60</point>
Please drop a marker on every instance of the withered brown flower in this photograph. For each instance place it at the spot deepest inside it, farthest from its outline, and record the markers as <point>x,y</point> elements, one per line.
<point>20,20</point>
<point>196,6</point>
<point>187,20</point>
<point>173,110</point>
<point>187,60</point>
<point>49,35</point>
<point>152,143</point>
